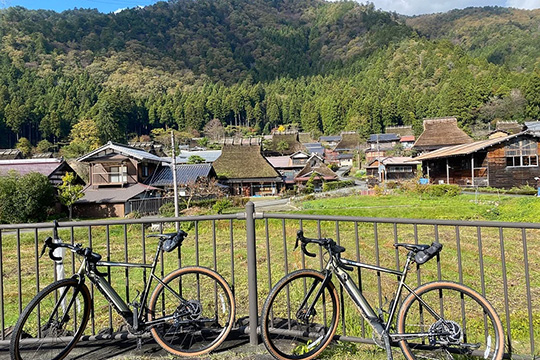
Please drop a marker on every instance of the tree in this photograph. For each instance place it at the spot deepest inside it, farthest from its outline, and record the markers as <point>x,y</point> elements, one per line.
<point>43,146</point>
<point>69,192</point>
<point>25,198</point>
<point>282,146</point>
<point>24,146</point>
<point>84,138</point>
<point>201,188</point>
<point>214,130</point>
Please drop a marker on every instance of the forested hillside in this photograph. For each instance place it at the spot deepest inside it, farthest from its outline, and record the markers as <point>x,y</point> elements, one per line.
<point>325,66</point>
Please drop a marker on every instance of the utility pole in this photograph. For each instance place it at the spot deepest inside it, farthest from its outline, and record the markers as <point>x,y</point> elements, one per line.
<point>175,184</point>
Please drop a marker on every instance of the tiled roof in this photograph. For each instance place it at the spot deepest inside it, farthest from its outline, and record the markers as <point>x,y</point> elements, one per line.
<point>124,150</point>
<point>25,166</point>
<point>314,148</point>
<point>374,138</point>
<point>207,155</point>
<point>184,174</point>
<point>332,138</point>
<point>279,161</point>
<point>407,138</point>
<point>113,195</point>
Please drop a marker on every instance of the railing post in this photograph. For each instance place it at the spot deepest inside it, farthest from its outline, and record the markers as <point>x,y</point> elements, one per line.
<point>252,273</point>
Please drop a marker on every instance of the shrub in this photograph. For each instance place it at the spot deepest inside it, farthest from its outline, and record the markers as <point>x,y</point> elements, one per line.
<point>337,185</point>
<point>442,190</point>
<point>25,198</point>
<point>221,205</point>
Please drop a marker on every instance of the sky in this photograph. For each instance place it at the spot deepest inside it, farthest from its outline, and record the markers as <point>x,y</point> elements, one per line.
<point>405,7</point>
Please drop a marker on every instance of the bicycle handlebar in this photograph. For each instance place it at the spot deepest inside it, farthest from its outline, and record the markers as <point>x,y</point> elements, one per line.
<point>327,243</point>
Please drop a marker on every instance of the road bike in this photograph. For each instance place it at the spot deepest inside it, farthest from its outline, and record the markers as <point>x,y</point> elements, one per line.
<point>437,320</point>
<point>189,313</point>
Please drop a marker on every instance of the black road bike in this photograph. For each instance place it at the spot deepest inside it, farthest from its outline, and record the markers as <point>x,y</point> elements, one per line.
<point>437,320</point>
<point>189,313</point>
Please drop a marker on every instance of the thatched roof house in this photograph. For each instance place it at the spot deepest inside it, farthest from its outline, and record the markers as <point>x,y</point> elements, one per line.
<point>510,127</point>
<point>441,132</point>
<point>245,170</point>
<point>349,141</point>
<point>317,168</point>
<point>284,144</point>
<point>400,130</point>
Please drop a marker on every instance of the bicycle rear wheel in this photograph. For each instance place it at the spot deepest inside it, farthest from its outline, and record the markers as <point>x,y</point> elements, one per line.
<point>198,309</point>
<point>450,321</point>
<point>296,324</point>
<point>52,323</point>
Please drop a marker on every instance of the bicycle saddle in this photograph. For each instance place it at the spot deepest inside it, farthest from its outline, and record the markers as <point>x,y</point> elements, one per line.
<point>171,240</point>
<point>412,247</point>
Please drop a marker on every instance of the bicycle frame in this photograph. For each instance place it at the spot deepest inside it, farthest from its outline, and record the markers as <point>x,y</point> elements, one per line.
<point>377,323</point>
<point>136,319</point>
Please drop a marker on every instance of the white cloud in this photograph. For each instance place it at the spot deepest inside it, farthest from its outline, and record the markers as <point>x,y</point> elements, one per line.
<point>416,7</point>
<point>524,4</point>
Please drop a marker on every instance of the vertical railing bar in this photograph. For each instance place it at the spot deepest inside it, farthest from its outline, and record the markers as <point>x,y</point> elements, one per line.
<point>126,259</point>
<point>343,327</point>
<point>36,248</point>
<point>72,241</point>
<point>285,257</point>
<point>108,245</point>
<point>268,254</point>
<point>396,249</point>
<point>481,260</point>
<point>319,234</point>
<point>418,272</point>
<point>359,272</point>
<point>460,274</point>
<point>377,262</point>
<point>439,272</point>
<point>92,313</point>
<point>197,262</point>
<point>19,275</point>
<point>143,247</point>
<point>528,288</point>
<point>302,256</point>
<point>231,235</point>
<point>251,247</point>
<point>505,287</point>
<point>2,320</point>
<point>214,244</point>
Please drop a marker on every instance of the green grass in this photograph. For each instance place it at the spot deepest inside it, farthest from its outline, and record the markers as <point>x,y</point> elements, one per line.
<point>275,242</point>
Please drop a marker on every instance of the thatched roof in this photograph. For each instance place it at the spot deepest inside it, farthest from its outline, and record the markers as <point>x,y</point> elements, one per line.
<point>400,130</point>
<point>316,165</point>
<point>292,142</point>
<point>305,137</point>
<point>510,127</point>
<point>349,141</point>
<point>243,162</point>
<point>441,132</point>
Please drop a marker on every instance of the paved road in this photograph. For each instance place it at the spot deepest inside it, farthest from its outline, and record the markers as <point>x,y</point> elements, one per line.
<point>236,347</point>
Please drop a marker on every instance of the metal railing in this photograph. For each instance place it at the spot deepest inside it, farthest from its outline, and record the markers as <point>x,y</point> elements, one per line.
<point>254,250</point>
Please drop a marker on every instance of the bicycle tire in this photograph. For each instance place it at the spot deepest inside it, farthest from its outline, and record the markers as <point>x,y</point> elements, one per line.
<point>471,325</point>
<point>288,333</point>
<point>200,327</point>
<point>29,335</point>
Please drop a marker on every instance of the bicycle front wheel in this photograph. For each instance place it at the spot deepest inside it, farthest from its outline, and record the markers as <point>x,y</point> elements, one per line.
<point>194,309</point>
<point>300,316</point>
<point>449,320</point>
<point>52,323</point>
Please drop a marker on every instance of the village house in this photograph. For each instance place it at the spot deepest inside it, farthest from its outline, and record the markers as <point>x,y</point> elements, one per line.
<point>116,176</point>
<point>246,172</point>
<point>10,154</point>
<point>350,142</point>
<point>393,168</point>
<point>380,145</point>
<point>283,143</point>
<point>289,166</point>
<point>502,162</point>
<point>330,141</point>
<point>316,170</point>
<point>439,133</point>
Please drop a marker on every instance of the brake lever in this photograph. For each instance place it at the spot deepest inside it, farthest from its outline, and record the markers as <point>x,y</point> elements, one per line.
<point>299,235</point>
<point>45,245</point>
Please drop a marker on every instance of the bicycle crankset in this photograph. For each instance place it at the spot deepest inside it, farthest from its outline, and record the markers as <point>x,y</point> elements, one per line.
<point>445,332</point>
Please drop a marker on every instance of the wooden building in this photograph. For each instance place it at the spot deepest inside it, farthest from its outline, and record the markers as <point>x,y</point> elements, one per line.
<point>392,168</point>
<point>502,162</point>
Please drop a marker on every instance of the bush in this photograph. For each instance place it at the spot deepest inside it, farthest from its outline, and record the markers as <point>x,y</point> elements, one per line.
<point>25,198</point>
<point>327,186</point>
<point>221,205</point>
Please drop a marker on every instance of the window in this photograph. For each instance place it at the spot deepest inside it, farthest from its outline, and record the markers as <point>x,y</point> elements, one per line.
<point>399,169</point>
<point>117,174</point>
<point>145,170</point>
<point>522,153</point>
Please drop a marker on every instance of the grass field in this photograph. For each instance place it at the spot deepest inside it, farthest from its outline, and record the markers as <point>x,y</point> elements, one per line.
<point>225,241</point>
